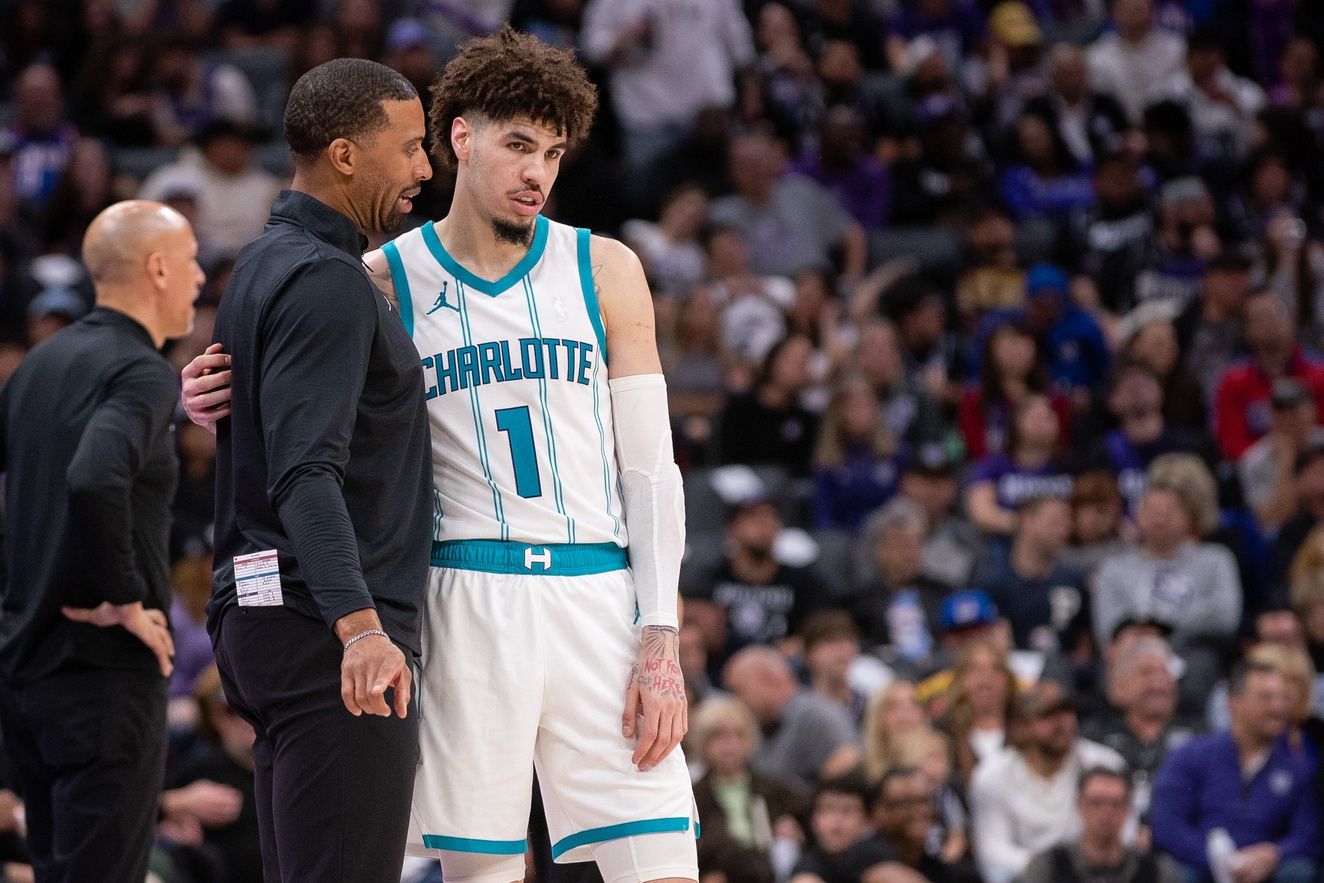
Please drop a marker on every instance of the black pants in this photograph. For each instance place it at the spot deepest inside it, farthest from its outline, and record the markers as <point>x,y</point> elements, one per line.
<point>88,750</point>
<point>333,790</point>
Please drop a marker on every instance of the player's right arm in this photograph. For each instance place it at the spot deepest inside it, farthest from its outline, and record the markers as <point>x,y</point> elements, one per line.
<point>380,274</point>
<point>205,387</point>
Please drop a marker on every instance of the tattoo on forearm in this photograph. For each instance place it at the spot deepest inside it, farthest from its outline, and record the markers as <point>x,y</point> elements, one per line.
<point>658,670</point>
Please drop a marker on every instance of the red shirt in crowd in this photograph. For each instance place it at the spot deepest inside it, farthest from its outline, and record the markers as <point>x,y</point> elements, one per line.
<point>985,422</point>
<point>1241,404</point>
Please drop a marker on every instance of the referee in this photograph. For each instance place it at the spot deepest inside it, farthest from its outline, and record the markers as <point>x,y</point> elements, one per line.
<point>87,448</point>
<point>323,510</point>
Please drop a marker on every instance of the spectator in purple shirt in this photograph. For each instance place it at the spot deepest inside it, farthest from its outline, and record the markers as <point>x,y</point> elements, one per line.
<point>957,26</point>
<point>848,171</point>
<point>1000,483</point>
<point>1247,782</point>
<point>1044,181</point>
<point>856,462</point>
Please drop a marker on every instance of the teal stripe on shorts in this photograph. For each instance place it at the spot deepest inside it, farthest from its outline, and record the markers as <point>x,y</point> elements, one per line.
<point>616,832</point>
<point>469,844</point>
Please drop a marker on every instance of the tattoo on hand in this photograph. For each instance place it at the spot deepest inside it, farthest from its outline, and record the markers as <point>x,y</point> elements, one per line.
<point>658,670</point>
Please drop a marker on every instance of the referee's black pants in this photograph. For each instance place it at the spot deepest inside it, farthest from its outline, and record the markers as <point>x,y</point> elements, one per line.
<point>88,749</point>
<point>333,790</point>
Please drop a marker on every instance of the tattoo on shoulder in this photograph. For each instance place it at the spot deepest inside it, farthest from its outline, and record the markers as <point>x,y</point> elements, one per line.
<point>597,283</point>
<point>658,670</point>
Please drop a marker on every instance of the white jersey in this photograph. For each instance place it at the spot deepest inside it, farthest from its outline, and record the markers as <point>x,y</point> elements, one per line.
<point>516,378</point>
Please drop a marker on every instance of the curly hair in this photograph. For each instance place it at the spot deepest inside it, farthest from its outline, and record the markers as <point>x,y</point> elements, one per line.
<point>340,99</point>
<point>508,75</point>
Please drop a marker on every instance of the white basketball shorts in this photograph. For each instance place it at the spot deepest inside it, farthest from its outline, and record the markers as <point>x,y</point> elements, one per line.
<point>527,651</point>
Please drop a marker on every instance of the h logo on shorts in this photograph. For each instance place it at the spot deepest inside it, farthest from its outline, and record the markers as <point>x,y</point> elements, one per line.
<point>544,557</point>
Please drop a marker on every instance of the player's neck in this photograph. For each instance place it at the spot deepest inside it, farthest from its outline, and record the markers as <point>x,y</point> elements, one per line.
<point>469,238</point>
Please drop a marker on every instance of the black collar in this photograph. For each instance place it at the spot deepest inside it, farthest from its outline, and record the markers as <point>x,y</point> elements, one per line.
<point>298,208</point>
<point>114,318</point>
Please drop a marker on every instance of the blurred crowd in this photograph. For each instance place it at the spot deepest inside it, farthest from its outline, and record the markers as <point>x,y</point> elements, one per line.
<point>992,335</point>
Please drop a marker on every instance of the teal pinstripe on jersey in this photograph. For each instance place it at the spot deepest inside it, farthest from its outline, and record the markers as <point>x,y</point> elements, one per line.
<point>516,376</point>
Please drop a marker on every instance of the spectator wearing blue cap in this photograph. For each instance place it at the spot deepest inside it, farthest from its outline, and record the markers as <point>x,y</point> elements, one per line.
<point>969,620</point>
<point>970,615</point>
<point>1069,337</point>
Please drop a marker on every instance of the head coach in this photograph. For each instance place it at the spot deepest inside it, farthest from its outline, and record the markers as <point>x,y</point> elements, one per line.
<point>87,448</point>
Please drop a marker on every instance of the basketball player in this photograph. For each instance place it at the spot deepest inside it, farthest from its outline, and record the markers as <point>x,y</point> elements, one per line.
<point>551,450</point>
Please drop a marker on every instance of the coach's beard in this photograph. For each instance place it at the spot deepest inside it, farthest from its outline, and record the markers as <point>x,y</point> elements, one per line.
<point>511,233</point>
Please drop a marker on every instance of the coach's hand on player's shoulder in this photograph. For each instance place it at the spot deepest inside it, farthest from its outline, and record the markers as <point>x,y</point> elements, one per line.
<point>655,705</point>
<point>205,383</point>
<point>370,665</point>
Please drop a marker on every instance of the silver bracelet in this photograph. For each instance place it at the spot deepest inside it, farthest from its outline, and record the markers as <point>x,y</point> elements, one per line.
<point>361,635</point>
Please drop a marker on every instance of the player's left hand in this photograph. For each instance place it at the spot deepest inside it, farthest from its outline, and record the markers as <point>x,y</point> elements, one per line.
<point>655,704</point>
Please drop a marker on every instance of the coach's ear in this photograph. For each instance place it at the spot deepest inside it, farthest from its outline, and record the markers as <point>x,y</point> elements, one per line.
<point>462,137</point>
<point>343,155</point>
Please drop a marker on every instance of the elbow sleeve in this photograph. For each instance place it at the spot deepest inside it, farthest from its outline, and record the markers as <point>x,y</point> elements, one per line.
<point>652,493</point>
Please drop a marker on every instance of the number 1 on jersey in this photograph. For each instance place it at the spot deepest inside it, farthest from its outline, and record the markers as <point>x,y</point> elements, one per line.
<point>518,427</point>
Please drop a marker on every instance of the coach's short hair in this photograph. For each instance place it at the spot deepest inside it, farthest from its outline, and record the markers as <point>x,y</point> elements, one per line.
<point>508,75</point>
<point>340,99</point>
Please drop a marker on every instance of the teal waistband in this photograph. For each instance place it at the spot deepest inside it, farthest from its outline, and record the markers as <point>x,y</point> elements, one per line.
<point>554,559</point>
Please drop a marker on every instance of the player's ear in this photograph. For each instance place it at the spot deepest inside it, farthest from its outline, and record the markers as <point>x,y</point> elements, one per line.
<point>462,135</point>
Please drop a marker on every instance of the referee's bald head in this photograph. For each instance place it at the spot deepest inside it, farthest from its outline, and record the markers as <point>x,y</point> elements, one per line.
<point>119,241</point>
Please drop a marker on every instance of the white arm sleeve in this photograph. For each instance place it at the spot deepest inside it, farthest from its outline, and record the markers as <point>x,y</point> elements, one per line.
<point>652,494</point>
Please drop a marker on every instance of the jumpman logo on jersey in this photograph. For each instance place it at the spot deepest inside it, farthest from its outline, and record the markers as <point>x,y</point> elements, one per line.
<point>441,301</point>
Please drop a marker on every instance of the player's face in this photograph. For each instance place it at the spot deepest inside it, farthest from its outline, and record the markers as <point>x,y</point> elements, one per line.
<point>511,166</point>
<point>394,164</point>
